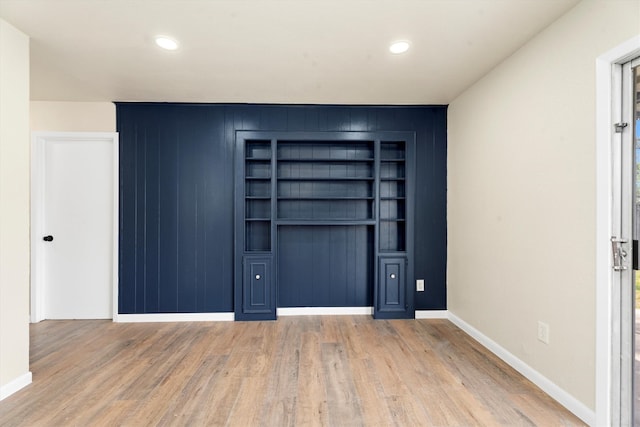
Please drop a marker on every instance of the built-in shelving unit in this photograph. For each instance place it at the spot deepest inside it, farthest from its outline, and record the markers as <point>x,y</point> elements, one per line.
<point>330,181</point>
<point>257,199</point>
<point>392,197</point>
<point>318,182</point>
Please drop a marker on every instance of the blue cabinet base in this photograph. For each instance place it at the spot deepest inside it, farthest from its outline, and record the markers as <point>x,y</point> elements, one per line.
<point>257,299</point>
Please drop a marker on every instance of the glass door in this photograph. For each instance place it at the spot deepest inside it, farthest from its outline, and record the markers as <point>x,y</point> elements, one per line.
<point>635,315</point>
<point>625,233</point>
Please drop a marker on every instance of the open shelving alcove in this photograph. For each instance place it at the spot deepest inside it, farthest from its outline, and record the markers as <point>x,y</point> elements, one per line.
<point>324,219</point>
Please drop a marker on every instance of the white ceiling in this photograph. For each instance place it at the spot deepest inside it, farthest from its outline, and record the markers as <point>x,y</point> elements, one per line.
<point>271,51</point>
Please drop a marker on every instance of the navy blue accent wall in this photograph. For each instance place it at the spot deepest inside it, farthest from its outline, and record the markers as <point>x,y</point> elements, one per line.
<point>177,195</point>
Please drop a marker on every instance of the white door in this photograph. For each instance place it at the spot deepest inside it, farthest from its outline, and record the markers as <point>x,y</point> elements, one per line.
<point>76,227</point>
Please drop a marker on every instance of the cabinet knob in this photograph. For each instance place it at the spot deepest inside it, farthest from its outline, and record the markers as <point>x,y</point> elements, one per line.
<point>48,238</point>
<point>258,277</point>
<point>393,276</point>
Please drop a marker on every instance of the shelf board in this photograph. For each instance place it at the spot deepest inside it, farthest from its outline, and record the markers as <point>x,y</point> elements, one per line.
<point>257,178</point>
<point>257,197</point>
<point>327,179</point>
<point>392,160</point>
<point>257,219</point>
<point>325,222</point>
<point>324,160</point>
<point>258,159</point>
<point>392,179</point>
<point>393,219</point>
<point>326,198</point>
<point>392,198</point>
<point>397,252</point>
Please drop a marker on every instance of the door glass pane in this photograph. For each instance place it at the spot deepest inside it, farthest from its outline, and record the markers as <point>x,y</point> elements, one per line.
<point>636,237</point>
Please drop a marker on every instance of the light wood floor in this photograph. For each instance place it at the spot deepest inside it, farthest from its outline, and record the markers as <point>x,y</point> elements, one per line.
<point>296,371</point>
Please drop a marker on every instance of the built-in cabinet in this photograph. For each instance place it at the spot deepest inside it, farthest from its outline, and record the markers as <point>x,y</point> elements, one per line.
<point>392,283</point>
<point>324,219</point>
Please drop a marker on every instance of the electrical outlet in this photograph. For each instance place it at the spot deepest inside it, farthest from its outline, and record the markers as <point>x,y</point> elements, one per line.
<point>420,285</point>
<point>543,332</point>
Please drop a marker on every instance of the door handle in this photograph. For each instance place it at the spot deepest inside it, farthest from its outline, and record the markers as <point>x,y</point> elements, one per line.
<point>619,253</point>
<point>48,238</point>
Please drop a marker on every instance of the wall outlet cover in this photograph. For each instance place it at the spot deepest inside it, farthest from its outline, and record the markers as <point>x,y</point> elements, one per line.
<point>543,332</point>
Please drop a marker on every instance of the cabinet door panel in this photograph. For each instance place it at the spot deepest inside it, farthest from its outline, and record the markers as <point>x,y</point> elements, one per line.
<point>392,287</point>
<point>257,289</point>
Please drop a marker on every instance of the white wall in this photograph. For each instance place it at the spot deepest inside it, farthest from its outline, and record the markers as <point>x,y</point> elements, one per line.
<point>73,116</point>
<point>14,214</point>
<point>521,196</point>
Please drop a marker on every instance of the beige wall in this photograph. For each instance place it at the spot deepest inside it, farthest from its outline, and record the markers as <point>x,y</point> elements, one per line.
<point>14,200</point>
<point>73,116</point>
<point>521,196</point>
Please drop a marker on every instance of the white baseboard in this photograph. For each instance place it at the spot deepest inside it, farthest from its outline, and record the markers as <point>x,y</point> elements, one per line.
<point>174,317</point>
<point>15,385</point>
<point>323,311</point>
<point>432,314</point>
<point>283,311</point>
<point>565,399</point>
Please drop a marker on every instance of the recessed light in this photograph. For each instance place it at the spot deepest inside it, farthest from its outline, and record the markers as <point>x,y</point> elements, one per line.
<point>401,46</point>
<point>166,42</point>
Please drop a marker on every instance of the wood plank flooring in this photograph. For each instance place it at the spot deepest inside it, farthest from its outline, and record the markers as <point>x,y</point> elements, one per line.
<point>296,371</point>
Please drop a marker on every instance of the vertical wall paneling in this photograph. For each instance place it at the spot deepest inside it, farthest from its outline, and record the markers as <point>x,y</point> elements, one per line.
<point>177,199</point>
<point>325,266</point>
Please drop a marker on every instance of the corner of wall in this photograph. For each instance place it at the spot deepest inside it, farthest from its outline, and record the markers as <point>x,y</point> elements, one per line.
<point>14,215</point>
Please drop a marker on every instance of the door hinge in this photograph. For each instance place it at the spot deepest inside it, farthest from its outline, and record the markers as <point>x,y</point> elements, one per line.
<point>619,127</point>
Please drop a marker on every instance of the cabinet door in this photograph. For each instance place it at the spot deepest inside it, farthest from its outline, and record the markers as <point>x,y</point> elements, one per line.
<point>258,302</point>
<point>391,298</point>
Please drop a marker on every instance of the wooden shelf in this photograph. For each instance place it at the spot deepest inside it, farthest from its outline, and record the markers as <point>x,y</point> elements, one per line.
<point>324,160</point>
<point>325,198</point>
<point>325,222</point>
<point>370,178</point>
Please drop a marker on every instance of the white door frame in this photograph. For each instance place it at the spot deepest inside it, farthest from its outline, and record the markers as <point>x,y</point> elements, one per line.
<point>38,141</point>
<point>608,101</point>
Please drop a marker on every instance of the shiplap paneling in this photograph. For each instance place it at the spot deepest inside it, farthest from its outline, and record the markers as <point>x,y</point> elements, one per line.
<point>177,190</point>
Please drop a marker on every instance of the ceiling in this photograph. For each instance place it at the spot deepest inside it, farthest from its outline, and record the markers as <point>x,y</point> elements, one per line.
<point>271,51</point>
